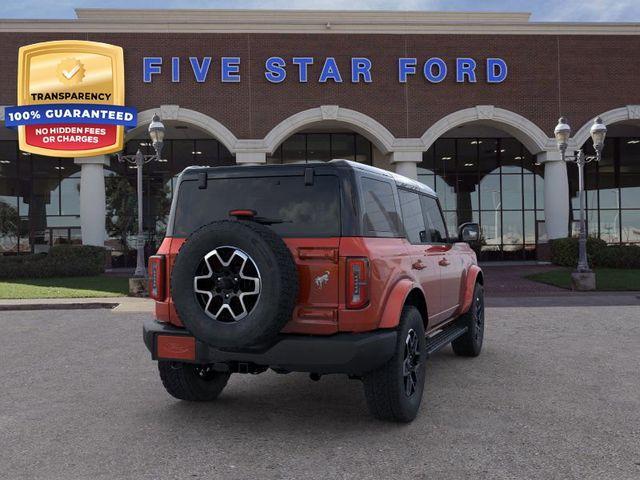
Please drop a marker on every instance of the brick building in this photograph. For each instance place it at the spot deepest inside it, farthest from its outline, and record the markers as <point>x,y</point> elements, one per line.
<point>465,102</point>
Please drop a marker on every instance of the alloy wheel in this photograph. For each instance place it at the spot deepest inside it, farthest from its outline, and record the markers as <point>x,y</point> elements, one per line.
<point>411,363</point>
<point>227,284</point>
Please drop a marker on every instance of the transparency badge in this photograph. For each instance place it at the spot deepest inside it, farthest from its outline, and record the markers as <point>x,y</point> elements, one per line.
<point>70,99</point>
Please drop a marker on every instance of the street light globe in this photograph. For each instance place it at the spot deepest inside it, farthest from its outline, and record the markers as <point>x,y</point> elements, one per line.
<point>562,133</point>
<point>156,129</point>
<point>598,132</point>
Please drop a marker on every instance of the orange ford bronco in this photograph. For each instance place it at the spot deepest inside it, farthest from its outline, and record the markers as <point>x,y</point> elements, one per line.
<point>323,268</point>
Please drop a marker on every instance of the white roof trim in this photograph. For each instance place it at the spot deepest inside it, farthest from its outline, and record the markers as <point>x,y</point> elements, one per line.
<point>311,21</point>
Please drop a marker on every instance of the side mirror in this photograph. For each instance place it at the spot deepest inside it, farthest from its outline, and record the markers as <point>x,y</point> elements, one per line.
<point>469,232</point>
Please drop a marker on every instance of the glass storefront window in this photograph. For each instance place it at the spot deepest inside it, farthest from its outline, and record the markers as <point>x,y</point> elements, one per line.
<point>630,190</point>
<point>512,230</point>
<point>70,196</point>
<point>530,228</point>
<point>610,226</point>
<point>276,156</point>
<point>511,155</point>
<point>206,152</point>
<point>466,160</point>
<point>181,155</point>
<point>467,191</point>
<point>44,166</point>
<point>446,193</point>
<point>426,176</point>
<point>490,193</point>
<point>630,223</point>
<point>491,180</point>
<point>487,157</point>
<point>612,188</point>
<point>428,162</point>
<point>294,149</point>
<point>343,146</point>
<point>319,147</point>
<point>364,149</point>
<point>303,147</point>
<point>8,159</point>
<point>529,191</point>
<point>512,192</point>
<point>445,156</point>
<point>491,225</point>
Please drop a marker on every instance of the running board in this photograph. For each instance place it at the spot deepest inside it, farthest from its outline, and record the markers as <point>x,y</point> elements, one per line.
<point>444,338</point>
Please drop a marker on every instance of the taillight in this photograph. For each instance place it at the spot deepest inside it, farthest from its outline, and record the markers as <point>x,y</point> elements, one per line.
<point>157,277</point>
<point>357,282</point>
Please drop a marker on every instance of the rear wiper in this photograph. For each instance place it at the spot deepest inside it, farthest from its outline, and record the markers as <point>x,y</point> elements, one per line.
<point>269,221</point>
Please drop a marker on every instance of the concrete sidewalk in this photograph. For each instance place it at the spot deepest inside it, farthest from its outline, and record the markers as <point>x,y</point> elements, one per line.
<point>122,305</point>
<point>116,304</point>
<point>505,286</point>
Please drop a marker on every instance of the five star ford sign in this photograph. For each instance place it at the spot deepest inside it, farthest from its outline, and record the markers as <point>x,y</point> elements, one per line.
<point>70,99</point>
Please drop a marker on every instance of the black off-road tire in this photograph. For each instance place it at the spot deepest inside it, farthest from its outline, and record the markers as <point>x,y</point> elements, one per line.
<point>386,388</point>
<point>193,383</point>
<point>278,285</point>
<point>470,344</point>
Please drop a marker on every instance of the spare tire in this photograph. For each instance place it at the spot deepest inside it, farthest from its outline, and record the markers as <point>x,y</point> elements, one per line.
<point>234,284</point>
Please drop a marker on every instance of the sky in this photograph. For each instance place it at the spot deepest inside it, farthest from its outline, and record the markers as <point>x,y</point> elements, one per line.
<point>542,10</point>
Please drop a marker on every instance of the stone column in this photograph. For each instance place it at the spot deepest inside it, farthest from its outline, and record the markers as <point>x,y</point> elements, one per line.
<point>251,158</point>
<point>556,194</point>
<point>93,209</point>
<point>406,163</point>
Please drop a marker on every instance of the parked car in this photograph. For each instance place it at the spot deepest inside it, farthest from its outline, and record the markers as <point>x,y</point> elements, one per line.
<point>323,268</point>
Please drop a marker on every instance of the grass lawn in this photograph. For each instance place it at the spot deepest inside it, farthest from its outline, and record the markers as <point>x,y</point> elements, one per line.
<point>70,287</point>
<point>610,279</point>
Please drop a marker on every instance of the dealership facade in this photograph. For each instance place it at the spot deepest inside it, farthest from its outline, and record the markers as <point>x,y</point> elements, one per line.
<point>464,102</point>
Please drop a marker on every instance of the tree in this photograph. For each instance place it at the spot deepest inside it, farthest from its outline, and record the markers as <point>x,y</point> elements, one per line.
<point>9,221</point>
<point>121,209</point>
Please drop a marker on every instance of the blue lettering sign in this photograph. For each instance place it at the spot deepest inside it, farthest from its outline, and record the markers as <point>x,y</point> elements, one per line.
<point>200,71</point>
<point>428,70</point>
<point>151,66</point>
<point>496,70</point>
<point>434,69</point>
<point>360,67</point>
<point>465,67</point>
<point>230,70</point>
<point>303,64</point>
<point>175,69</point>
<point>275,69</point>
<point>406,66</point>
<point>330,71</point>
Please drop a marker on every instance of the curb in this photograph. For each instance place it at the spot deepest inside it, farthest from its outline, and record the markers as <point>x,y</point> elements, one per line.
<point>58,306</point>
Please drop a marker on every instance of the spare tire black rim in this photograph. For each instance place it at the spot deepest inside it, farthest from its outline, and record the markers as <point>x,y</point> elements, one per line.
<point>227,284</point>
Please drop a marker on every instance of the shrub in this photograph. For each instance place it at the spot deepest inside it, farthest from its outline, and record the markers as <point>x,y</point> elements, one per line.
<point>618,256</point>
<point>564,252</point>
<point>61,261</point>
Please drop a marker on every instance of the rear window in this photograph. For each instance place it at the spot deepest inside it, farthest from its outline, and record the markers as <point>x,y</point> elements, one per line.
<point>300,210</point>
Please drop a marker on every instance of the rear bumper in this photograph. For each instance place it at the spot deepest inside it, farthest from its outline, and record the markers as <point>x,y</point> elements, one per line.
<point>349,353</point>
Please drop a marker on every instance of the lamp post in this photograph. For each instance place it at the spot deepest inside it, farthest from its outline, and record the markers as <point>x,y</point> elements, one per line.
<point>562,133</point>
<point>156,133</point>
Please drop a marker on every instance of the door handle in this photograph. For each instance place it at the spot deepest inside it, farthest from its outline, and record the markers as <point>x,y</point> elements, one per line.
<point>443,262</point>
<point>418,265</point>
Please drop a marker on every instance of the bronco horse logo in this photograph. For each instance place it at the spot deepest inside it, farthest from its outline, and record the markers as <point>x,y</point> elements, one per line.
<point>322,280</point>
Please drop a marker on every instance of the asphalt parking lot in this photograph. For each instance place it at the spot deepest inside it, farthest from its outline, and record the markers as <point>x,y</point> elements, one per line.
<point>555,394</point>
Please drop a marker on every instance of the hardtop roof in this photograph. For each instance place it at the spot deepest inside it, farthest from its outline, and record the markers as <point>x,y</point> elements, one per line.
<point>319,166</point>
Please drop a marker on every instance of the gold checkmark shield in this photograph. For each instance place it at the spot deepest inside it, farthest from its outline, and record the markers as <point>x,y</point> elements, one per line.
<point>70,66</point>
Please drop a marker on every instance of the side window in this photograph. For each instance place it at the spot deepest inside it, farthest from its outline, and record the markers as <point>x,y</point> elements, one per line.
<point>380,215</point>
<point>412,216</point>
<point>437,232</point>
